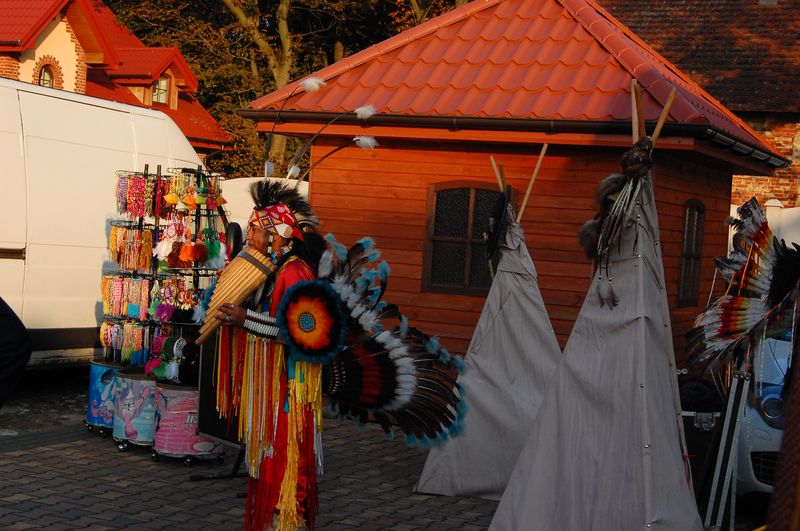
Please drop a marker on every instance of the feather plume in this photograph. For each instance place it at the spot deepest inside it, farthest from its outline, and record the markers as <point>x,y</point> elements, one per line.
<point>394,373</point>
<point>366,142</point>
<point>364,112</point>
<point>762,273</point>
<point>312,83</point>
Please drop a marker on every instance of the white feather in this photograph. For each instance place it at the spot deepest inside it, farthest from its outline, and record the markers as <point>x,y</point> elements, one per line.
<point>368,319</point>
<point>312,83</point>
<point>325,265</point>
<point>366,142</point>
<point>365,111</point>
<point>293,172</point>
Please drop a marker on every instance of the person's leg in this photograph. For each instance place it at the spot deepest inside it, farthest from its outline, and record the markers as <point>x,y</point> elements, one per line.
<point>15,350</point>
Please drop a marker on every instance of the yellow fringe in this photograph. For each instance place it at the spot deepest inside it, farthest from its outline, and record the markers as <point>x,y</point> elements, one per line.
<point>288,518</point>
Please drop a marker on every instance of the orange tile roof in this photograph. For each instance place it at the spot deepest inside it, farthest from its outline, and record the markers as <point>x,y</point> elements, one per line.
<point>530,59</point>
<point>744,52</point>
<point>22,20</point>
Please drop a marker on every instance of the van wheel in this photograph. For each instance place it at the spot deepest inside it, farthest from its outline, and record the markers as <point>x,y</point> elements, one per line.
<point>233,239</point>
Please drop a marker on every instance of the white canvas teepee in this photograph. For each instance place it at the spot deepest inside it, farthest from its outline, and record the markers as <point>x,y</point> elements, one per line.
<point>606,450</point>
<point>511,357</point>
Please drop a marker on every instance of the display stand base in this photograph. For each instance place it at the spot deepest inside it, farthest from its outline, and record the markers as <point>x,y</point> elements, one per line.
<point>234,473</point>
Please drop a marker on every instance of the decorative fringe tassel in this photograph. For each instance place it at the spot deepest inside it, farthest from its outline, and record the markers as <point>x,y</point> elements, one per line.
<point>279,408</point>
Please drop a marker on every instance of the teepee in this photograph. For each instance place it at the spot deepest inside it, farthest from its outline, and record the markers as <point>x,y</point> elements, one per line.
<point>606,450</point>
<point>510,359</point>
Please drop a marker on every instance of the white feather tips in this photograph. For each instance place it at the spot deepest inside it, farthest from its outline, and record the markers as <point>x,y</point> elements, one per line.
<point>293,172</point>
<point>366,142</point>
<point>325,265</point>
<point>312,83</point>
<point>364,112</point>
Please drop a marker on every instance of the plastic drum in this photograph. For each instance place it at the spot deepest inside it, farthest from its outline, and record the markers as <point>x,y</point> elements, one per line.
<point>176,424</point>
<point>134,414</point>
<point>100,409</point>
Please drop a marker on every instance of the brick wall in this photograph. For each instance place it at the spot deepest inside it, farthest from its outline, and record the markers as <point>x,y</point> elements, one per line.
<point>80,68</point>
<point>784,185</point>
<point>9,67</point>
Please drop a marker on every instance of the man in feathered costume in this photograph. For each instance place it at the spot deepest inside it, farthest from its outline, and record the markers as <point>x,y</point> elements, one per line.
<point>338,338</point>
<point>279,403</point>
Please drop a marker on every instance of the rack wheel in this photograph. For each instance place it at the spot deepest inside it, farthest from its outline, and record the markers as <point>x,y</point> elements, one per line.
<point>89,427</point>
<point>102,432</point>
<point>122,446</point>
<point>187,461</point>
<point>154,456</point>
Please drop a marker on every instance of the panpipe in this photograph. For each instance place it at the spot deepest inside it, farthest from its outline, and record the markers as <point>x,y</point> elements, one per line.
<point>236,282</point>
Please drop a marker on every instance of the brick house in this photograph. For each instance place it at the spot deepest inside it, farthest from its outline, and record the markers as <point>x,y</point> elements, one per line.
<point>746,53</point>
<point>500,78</point>
<point>77,45</point>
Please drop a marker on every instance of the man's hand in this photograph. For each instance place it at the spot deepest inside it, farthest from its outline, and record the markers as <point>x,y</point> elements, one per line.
<point>231,315</point>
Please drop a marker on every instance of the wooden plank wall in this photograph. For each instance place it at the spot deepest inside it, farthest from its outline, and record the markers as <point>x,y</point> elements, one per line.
<point>383,192</point>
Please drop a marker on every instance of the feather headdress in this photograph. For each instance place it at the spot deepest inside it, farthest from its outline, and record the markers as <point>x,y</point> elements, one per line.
<point>272,192</point>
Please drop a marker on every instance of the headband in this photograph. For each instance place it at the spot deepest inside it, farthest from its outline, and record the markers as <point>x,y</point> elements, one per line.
<point>277,219</point>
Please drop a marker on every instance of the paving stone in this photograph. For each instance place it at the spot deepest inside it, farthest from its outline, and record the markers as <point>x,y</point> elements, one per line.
<point>83,480</point>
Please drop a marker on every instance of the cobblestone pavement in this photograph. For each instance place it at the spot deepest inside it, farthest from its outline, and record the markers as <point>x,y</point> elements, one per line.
<point>69,478</point>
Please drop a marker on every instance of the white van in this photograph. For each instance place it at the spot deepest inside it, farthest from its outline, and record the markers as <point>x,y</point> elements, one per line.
<point>59,154</point>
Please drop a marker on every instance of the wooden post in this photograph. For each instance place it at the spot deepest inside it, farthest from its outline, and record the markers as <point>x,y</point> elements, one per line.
<point>530,184</point>
<point>637,93</point>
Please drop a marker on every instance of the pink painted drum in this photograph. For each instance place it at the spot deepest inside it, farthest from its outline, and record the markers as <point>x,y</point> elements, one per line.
<point>134,413</point>
<point>176,424</point>
<point>100,409</point>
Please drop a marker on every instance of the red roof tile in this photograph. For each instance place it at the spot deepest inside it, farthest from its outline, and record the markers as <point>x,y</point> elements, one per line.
<point>190,116</point>
<point>145,65</point>
<point>196,123</point>
<point>22,20</point>
<point>534,59</point>
<point>117,36</point>
<point>744,52</point>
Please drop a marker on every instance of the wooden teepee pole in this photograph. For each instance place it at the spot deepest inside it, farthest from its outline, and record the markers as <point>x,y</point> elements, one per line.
<point>530,184</point>
<point>664,114</point>
<point>500,182</point>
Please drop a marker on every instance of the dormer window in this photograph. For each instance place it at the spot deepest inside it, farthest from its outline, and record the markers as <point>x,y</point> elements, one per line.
<point>46,76</point>
<point>161,90</point>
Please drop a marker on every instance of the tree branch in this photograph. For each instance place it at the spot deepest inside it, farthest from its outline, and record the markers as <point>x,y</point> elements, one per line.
<point>255,35</point>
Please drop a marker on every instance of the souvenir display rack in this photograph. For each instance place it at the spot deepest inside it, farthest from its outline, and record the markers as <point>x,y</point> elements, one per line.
<point>166,246</point>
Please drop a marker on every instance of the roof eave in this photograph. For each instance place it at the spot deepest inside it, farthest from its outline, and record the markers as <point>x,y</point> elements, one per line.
<point>702,132</point>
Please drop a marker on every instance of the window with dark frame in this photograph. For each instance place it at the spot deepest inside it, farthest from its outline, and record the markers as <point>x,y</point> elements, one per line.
<point>455,249</point>
<point>691,252</point>
<point>46,76</point>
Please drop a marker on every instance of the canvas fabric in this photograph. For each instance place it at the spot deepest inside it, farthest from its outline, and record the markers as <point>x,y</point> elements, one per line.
<point>510,359</point>
<point>606,450</point>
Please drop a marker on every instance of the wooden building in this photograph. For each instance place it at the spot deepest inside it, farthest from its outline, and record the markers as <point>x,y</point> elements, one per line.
<point>500,78</point>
